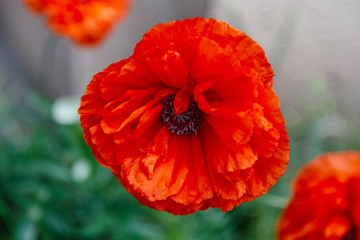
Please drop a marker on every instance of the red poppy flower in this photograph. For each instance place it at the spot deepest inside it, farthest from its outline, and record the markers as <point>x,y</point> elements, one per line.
<point>326,200</point>
<point>86,22</point>
<point>190,120</point>
<point>36,6</point>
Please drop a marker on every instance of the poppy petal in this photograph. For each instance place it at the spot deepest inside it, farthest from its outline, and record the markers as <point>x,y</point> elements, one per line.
<point>190,120</point>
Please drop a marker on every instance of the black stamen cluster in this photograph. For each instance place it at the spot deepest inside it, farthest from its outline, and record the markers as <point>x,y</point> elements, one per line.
<point>186,123</point>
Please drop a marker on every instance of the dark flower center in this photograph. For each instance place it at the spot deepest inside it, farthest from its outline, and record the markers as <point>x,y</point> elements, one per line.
<point>351,235</point>
<point>185,123</point>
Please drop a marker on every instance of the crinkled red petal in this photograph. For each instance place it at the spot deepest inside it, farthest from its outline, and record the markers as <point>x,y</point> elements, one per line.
<point>241,147</point>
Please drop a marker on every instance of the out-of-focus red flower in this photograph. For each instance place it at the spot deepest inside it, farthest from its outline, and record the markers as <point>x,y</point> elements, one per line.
<point>190,120</point>
<point>326,200</point>
<point>36,6</point>
<point>86,22</point>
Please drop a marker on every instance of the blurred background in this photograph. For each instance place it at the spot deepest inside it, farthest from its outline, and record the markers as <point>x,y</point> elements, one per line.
<point>51,186</point>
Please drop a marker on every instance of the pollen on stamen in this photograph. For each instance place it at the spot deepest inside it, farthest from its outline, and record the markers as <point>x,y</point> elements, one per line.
<point>185,123</point>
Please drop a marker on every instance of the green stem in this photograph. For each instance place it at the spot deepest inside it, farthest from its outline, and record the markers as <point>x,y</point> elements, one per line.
<point>273,200</point>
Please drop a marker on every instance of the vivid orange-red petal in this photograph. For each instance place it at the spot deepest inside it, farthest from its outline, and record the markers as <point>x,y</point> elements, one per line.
<point>190,120</point>
<point>324,204</point>
<point>84,22</point>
